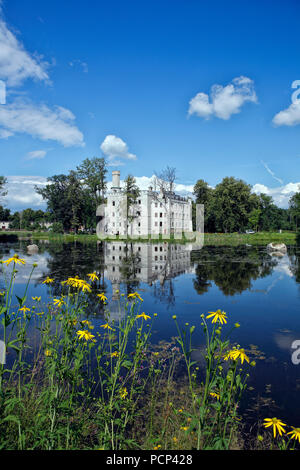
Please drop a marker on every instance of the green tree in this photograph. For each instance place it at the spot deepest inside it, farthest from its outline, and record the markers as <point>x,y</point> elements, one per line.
<point>294,204</point>
<point>4,214</point>
<point>204,195</point>
<point>3,182</point>
<point>59,204</point>
<point>132,192</point>
<point>254,218</point>
<point>75,197</point>
<point>93,173</point>
<point>232,204</point>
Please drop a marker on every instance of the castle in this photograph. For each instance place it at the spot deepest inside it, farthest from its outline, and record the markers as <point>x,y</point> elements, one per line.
<point>153,213</point>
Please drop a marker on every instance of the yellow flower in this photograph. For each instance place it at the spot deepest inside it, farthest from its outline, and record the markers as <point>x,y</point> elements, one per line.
<point>24,309</point>
<point>16,259</point>
<point>295,434</point>
<point>86,335</point>
<point>114,354</point>
<point>185,428</point>
<point>93,276</point>
<point>106,326</point>
<point>218,316</point>
<point>237,354</point>
<point>123,393</point>
<point>38,299</point>
<point>134,296</point>
<point>143,315</point>
<point>180,410</point>
<point>215,395</point>
<point>102,297</point>
<point>48,280</point>
<point>276,424</point>
<point>78,283</point>
<point>48,352</point>
<point>58,302</point>
<point>156,447</point>
<point>175,439</point>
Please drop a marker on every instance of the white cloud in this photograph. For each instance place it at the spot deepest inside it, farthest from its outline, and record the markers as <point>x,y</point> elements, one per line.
<point>281,195</point>
<point>115,148</point>
<point>16,64</point>
<point>40,121</point>
<point>224,101</point>
<point>289,116</point>
<point>36,154</point>
<point>21,193</point>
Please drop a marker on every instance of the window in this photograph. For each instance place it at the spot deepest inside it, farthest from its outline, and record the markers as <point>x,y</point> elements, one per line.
<point>113,203</point>
<point>155,214</point>
<point>155,249</point>
<point>139,201</point>
<point>155,224</point>
<point>156,204</point>
<point>160,224</point>
<point>160,215</point>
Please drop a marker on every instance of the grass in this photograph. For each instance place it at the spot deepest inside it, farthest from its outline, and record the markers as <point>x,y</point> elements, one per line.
<point>108,387</point>
<point>210,239</point>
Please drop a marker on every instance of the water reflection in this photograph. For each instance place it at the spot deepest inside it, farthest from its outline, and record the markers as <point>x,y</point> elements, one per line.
<point>231,269</point>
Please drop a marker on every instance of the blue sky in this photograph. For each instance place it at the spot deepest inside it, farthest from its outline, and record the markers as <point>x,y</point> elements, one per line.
<point>203,86</point>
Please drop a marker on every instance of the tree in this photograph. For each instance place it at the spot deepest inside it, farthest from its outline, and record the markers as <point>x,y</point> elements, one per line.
<point>254,218</point>
<point>232,204</point>
<point>204,195</point>
<point>74,196</point>
<point>164,182</point>
<point>59,203</point>
<point>294,204</point>
<point>3,182</point>
<point>93,172</point>
<point>132,192</point>
<point>4,214</point>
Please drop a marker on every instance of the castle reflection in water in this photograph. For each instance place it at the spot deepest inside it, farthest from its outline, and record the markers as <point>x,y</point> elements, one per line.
<point>145,263</point>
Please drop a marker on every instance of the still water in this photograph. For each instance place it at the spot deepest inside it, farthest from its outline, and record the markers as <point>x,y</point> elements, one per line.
<point>255,289</point>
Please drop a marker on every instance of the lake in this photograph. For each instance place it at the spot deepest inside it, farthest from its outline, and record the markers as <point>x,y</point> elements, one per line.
<point>255,289</point>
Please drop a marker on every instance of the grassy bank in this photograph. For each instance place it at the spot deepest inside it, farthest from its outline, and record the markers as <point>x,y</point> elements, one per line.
<point>210,239</point>
<point>72,385</point>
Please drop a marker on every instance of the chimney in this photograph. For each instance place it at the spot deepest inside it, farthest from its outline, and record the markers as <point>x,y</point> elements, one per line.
<point>115,179</point>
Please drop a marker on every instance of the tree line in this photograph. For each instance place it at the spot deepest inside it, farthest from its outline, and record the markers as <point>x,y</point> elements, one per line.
<point>72,201</point>
<point>232,207</point>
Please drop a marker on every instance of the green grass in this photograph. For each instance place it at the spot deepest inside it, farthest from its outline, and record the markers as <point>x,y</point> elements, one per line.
<point>210,239</point>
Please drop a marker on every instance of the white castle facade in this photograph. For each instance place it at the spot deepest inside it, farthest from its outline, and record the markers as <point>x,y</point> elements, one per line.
<point>153,213</point>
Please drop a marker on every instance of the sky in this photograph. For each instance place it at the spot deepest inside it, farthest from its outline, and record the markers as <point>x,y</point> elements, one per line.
<point>211,88</point>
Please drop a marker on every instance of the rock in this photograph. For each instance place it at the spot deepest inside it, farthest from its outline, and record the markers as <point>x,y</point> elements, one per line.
<point>32,249</point>
<point>278,247</point>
